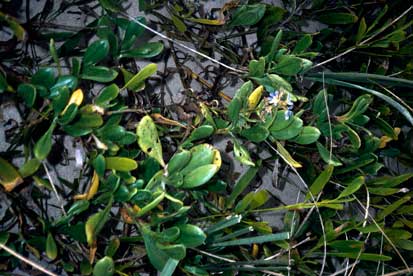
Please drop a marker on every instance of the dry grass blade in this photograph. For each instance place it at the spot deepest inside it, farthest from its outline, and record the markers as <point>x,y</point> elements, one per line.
<point>364,41</point>
<point>313,200</point>
<point>182,45</point>
<point>27,261</point>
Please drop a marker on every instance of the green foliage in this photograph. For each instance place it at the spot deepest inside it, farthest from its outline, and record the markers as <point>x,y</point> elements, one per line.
<point>155,183</point>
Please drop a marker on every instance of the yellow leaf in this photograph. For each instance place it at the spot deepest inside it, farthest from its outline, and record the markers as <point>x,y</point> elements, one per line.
<point>217,158</point>
<point>93,187</point>
<point>286,155</point>
<point>165,121</point>
<point>255,97</point>
<point>76,98</point>
<point>397,132</point>
<point>9,176</point>
<point>255,250</point>
<point>384,140</point>
<point>80,197</point>
<point>214,22</point>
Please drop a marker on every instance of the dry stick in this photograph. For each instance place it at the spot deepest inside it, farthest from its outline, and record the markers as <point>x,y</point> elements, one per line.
<point>385,236</point>
<point>351,49</point>
<point>400,272</point>
<point>313,200</point>
<point>54,189</point>
<point>342,270</point>
<point>395,96</point>
<point>330,129</point>
<point>27,261</point>
<point>182,45</point>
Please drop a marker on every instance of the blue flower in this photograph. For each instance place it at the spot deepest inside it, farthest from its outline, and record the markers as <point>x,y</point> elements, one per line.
<point>287,114</point>
<point>274,98</point>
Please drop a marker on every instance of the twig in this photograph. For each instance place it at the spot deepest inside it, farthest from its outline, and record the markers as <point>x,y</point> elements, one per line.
<point>182,45</point>
<point>314,200</point>
<point>351,49</point>
<point>330,129</point>
<point>27,261</point>
<point>59,199</point>
<point>400,272</point>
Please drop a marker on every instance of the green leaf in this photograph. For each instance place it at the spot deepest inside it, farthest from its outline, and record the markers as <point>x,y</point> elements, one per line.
<point>347,245</point>
<point>96,52</point>
<point>290,65</point>
<point>107,94</point>
<point>148,50</point>
<point>289,132</point>
<point>392,207</point>
<point>176,251</point>
<point>363,256</point>
<point>247,15</point>
<point>29,168</point>
<point>43,146</point>
<point>361,31</point>
<point>112,132</point>
<point>359,106</point>
<point>88,120</point>
<point>99,74</point>
<point>95,223</point>
<point>110,5</point>
<point>256,68</point>
<point>361,161</point>
<point>191,235</point>
<point>274,46</point>
<point>338,18</point>
<point>60,100</point>
<point>69,115</point>
<point>132,32</point>
<point>104,267</point>
<point>121,164</point>
<point>303,44</point>
<point>255,133</point>
<point>28,93</point>
<point>353,136</point>
<point>390,181</point>
<point>199,133</point>
<point>242,154</point>
<point>138,80</point>
<point>151,205</point>
<point>257,240</point>
<point>148,139</point>
<point>234,109</point>
<point>69,81</point>
<point>157,257</point>
<point>252,201</point>
<point>51,247</point>
<point>241,184</point>
<point>169,268</point>
<point>308,135</point>
<point>287,156</point>
<point>78,207</point>
<point>3,83</point>
<point>45,76</point>
<point>380,95</point>
<point>178,161</point>
<point>280,122</point>
<point>14,25</point>
<point>85,267</point>
<point>179,24</point>
<point>352,187</point>
<point>325,155</point>
<point>224,223</point>
<point>320,182</point>
<point>199,176</point>
<point>53,53</point>
<point>4,236</point>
